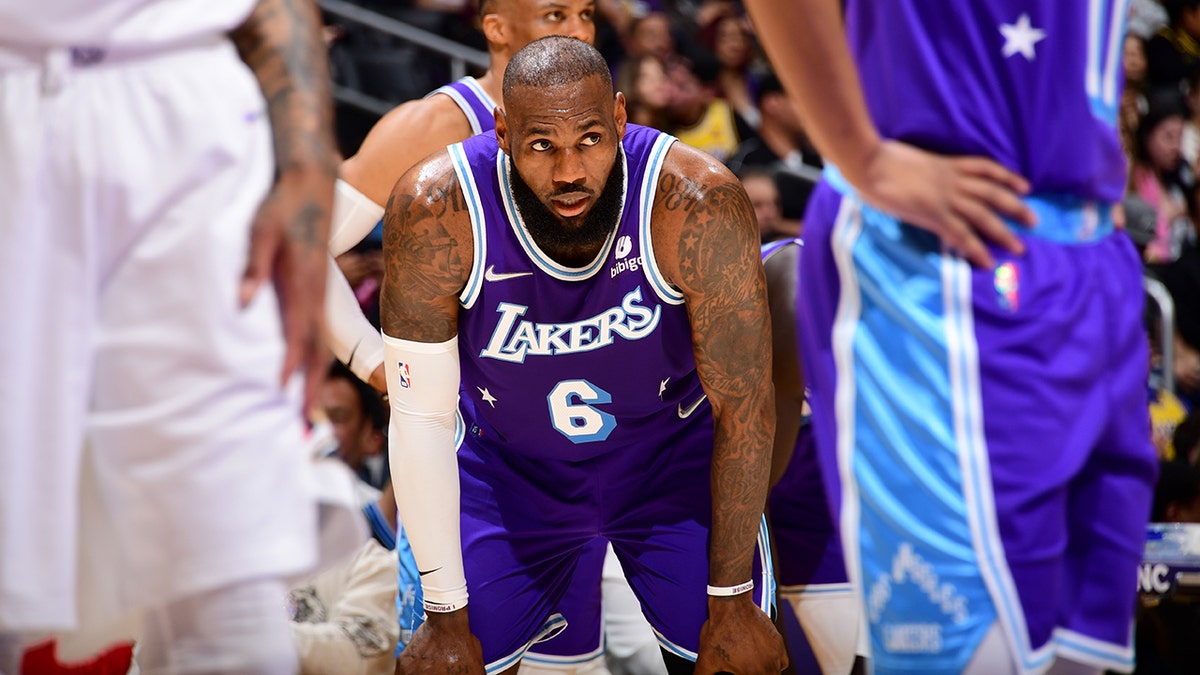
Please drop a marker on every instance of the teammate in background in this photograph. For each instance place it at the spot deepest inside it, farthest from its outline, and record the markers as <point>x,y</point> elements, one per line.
<point>811,571</point>
<point>989,422</point>
<point>164,277</point>
<point>416,129</point>
<point>581,280</point>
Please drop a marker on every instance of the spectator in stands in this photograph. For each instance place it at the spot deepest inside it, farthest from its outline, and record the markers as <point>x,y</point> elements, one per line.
<point>363,268</point>
<point>359,419</point>
<point>760,187</point>
<point>1173,54</point>
<point>781,147</point>
<point>1167,412</point>
<point>697,116</point>
<point>1161,177</point>
<point>1177,494</point>
<point>1132,96</point>
<point>1132,106</point>
<point>1182,279</point>
<point>344,620</point>
<point>727,35</point>
<point>650,35</point>
<point>1190,138</point>
<point>1187,439</point>
<point>381,516</point>
<point>643,80</point>
<point>1134,61</point>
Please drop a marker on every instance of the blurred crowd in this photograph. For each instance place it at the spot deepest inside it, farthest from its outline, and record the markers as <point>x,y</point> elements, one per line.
<point>1160,128</point>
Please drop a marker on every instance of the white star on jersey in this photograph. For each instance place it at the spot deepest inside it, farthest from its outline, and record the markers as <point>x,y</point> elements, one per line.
<point>662,388</point>
<point>487,396</point>
<point>1020,38</point>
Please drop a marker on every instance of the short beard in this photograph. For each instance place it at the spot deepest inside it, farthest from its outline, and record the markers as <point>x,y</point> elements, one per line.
<point>569,238</point>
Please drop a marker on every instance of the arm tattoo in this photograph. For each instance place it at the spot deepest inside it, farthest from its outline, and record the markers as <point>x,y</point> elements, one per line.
<point>679,192</point>
<point>281,43</point>
<point>425,264</point>
<point>718,262</point>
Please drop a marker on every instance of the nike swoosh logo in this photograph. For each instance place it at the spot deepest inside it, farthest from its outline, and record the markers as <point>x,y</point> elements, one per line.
<point>490,274</point>
<point>421,574</point>
<point>685,413</point>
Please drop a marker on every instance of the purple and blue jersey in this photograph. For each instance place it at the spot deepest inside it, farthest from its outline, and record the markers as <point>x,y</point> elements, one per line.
<point>571,362</point>
<point>1033,84</point>
<point>582,411</point>
<point>987,428</point>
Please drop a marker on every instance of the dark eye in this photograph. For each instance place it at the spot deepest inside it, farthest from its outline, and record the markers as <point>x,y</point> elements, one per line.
<point>555,16</point>
<point>591,139</point>
<point>587,14</point>
<point>540,145</point>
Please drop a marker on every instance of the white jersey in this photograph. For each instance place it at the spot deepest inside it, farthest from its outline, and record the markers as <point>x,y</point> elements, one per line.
<point>127,24</point>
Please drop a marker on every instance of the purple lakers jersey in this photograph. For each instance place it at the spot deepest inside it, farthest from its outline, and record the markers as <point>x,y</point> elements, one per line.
<point>569,362</point>
<point>473,101</point>
<point>1036,88</point>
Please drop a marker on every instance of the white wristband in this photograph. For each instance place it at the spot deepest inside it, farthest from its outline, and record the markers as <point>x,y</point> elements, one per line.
<point>726,591</point>
<point>444,608</point>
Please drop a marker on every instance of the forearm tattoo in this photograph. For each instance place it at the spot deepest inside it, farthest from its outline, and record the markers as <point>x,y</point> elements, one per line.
<point>718,259</point>
<point>281,43</point>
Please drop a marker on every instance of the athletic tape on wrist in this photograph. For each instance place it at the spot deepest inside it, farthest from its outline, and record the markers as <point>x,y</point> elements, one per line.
<point>726,591</point>
<point>444,608</point>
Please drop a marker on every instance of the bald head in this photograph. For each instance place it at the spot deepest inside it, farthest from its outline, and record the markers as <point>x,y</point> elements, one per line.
<point>555,61</point>
<point>509,25</point>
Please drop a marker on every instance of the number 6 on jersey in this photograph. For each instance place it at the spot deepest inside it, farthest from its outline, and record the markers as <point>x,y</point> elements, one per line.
<point>572,414</point>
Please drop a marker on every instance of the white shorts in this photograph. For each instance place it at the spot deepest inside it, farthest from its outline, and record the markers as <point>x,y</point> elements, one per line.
<point>148,449</point>
<point>830,617</point>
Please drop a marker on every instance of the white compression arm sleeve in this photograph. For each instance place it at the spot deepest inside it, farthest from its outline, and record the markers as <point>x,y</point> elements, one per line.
<point>354,216</point>
<point>353,340</point>
<point>423,381</point>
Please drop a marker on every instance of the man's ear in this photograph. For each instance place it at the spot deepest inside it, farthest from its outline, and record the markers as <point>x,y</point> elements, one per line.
<point>501,130</point>
<point>495,30</point>
<point>620,115</point>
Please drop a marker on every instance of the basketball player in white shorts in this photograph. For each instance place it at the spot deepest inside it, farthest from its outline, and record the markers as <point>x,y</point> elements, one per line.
<point>152,476</point>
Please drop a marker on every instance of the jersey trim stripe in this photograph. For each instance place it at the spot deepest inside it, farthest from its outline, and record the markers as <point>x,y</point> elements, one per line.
<point>464,105</point>
<point>553,626</point>
<point>662,288</point>
<point>966,401</point>
<point>544,262</point>
<point>766,601</point>
<point>963,364</point>
<point>466,180</point>
<point>674,648</point>
<point>473,84</point>
<point>770,248</point>
<point>1093,652</point>
<point>553,661</point>
<point>817,589</point>
<point>846,229</point>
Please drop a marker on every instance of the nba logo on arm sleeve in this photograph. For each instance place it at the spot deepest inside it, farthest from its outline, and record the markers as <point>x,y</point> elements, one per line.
<point>405,378</point>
